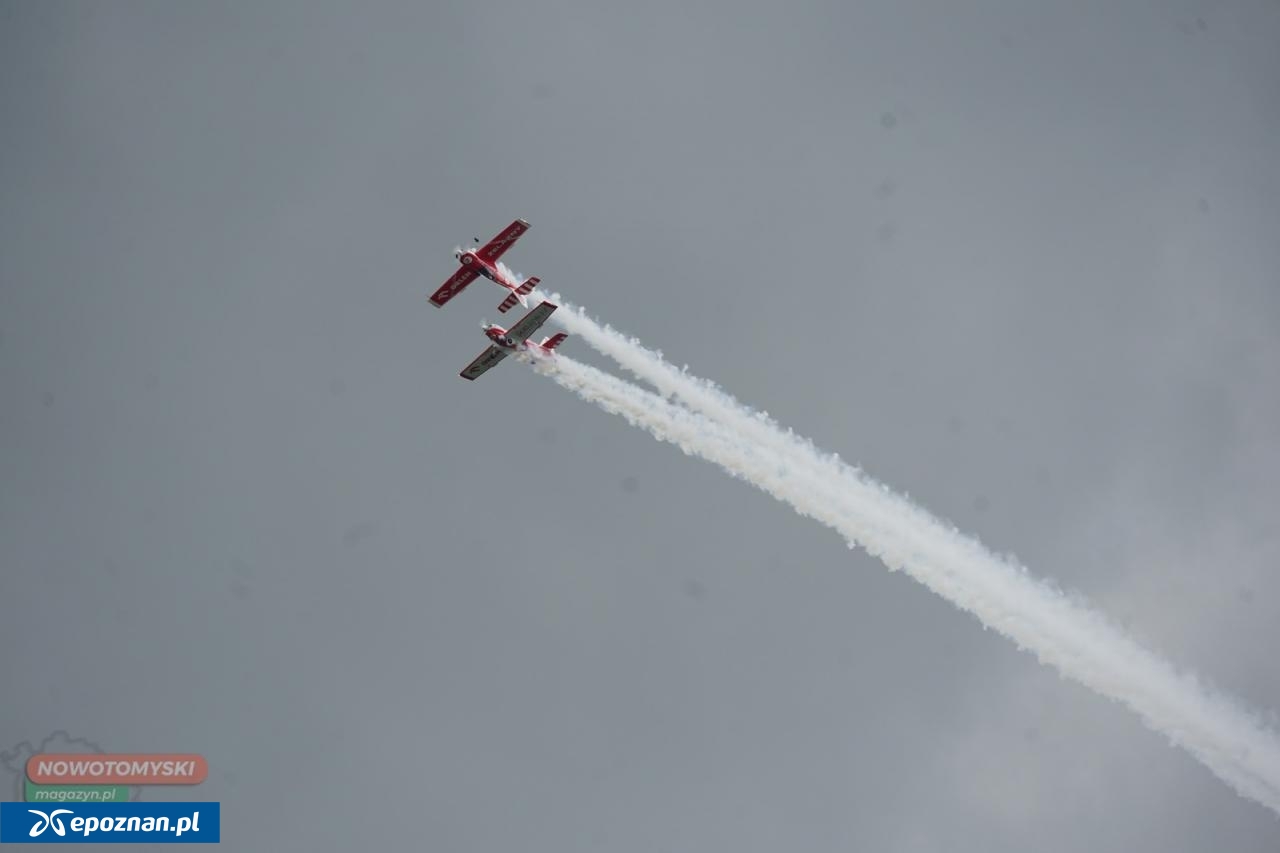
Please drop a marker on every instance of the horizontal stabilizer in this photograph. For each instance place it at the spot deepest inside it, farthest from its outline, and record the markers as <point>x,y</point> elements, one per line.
<point>554,341</point>
<point>510,302</point>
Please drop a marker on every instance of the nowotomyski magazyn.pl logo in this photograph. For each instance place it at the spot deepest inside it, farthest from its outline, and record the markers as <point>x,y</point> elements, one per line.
<point>168,822</point>
<point>105,777</point>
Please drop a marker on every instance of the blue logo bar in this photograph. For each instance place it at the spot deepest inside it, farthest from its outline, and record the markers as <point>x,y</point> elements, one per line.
<point>109,823</point>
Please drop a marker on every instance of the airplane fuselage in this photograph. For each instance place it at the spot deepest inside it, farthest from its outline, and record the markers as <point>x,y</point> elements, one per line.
<point>499,338</point>
<point>474,262</point>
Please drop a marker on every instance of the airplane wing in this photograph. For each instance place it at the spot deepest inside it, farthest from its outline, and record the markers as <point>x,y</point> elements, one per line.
<point>495,247</point>
<point>529,323</point>
<point>487,359</point>
<point>454,286</point>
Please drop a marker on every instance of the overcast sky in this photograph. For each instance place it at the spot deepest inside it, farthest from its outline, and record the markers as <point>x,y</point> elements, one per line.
<point>1019,260</point>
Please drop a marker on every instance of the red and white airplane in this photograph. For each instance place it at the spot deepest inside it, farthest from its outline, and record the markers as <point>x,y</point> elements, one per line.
<point>484,261</point>
<point>514,340</point>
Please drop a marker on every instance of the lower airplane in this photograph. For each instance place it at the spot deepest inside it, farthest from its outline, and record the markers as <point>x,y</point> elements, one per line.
<point>516,339</point>
<point>484,261</point>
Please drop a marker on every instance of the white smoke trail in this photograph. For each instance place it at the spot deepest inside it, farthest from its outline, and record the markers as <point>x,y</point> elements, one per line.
<point>699,394</point>
<point>1064,633</point>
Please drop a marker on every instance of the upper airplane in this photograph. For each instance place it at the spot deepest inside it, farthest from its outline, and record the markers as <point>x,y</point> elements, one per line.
<point>516,339</point>
<point>484,261</point>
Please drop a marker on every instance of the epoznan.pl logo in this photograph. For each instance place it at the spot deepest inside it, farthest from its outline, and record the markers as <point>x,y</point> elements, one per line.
<point>112,823</point>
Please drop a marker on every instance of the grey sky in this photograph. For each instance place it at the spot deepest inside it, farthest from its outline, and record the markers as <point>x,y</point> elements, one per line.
<point>1020,262</point>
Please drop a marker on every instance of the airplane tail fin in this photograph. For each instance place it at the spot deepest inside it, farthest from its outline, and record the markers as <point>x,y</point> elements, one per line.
<point>517,294</point>
<point>554,341</point>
